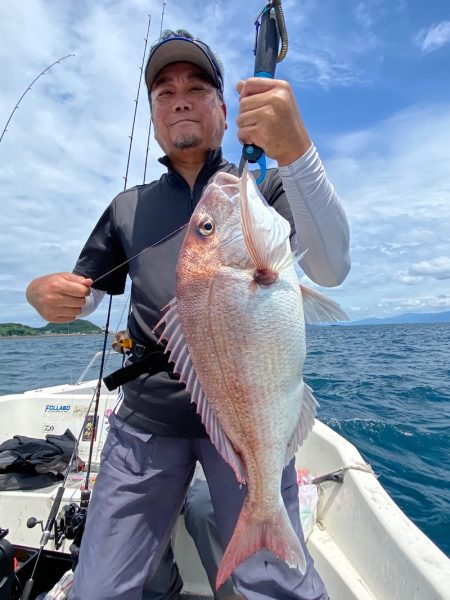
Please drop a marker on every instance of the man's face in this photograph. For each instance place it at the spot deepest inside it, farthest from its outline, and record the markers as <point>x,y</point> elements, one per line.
<point>187,112</point>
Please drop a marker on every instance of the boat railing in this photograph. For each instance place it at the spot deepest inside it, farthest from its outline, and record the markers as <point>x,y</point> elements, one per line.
<point>91,362</point>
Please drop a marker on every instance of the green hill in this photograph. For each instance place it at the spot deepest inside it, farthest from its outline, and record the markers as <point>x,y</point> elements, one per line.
<point>79,326</point>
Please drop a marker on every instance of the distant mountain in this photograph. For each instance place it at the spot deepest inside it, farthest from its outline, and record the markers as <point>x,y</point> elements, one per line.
<point>79,326</point>
<point>439,317</point>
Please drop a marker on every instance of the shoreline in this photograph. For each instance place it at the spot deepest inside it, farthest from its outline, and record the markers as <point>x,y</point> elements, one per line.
<point>47,335</point>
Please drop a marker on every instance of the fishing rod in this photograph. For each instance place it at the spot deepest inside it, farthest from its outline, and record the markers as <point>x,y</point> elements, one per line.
<point>86,497</point>
<point>136,103</point>
<point>79,516</point>
<point>150,121</point>
<point>28,89</point>
<point>86,492</point>
<point>51,520</point>
<point>270,30</point>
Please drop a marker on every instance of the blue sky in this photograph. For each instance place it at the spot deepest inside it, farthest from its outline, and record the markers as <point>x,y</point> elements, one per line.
<point>371,80</point>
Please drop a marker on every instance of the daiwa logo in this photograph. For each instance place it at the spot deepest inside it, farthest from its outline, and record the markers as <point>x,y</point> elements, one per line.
<point>57,408</point>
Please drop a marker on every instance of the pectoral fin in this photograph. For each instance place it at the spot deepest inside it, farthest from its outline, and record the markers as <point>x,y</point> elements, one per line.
<point>305,422</point>
<point>318,308</point>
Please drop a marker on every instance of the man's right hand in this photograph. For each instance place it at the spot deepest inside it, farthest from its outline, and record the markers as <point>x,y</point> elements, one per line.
<point>59,297</point>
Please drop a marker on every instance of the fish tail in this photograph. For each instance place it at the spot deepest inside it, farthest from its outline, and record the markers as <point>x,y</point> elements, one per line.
<point>276,534</point>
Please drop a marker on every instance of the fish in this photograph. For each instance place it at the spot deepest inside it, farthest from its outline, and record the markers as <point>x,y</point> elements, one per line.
<point>236,335</point>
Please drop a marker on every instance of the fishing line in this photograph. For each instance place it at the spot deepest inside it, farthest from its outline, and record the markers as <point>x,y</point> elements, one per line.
<point>139,253</point>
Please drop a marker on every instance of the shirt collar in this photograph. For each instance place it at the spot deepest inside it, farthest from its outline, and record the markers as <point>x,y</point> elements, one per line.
<point>211,164</point>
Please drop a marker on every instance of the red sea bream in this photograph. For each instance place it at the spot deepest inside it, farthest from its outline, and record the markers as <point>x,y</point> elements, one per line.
<point>236,333</point>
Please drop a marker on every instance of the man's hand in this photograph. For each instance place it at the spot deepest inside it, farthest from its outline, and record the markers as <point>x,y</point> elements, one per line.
<point>59,297</point>
<point>269,118</point>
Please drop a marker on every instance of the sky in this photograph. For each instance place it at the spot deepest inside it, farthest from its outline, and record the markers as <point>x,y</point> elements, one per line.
<point>370,78</point>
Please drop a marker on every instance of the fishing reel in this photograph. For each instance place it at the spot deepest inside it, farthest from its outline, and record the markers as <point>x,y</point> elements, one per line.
<point>70,525</point>
<point>57,536</point>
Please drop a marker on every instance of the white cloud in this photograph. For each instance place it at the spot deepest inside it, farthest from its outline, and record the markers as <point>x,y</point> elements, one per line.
<point>394,181</point>
<point>424,303</point>
<point>442,301</point>
<point>435,37</point>
<point>321,68</point>
<point>403,277</point>
<point>439,268</point>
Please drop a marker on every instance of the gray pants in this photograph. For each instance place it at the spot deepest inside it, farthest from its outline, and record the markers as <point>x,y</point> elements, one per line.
<point>138,495</point>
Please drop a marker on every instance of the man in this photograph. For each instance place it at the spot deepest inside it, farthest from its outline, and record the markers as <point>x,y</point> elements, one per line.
<point>156,436</point>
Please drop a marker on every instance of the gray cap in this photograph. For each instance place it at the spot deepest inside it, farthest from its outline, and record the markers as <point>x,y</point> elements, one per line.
<point>182,49</point>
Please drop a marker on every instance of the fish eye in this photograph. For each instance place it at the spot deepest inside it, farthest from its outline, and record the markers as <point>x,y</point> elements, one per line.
<point>206,227</point>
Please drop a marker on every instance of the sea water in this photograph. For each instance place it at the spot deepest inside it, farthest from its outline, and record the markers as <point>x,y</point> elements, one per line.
<point>386,388</point>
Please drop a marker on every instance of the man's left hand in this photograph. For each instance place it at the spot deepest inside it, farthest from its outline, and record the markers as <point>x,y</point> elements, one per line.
<point>269,118</point>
